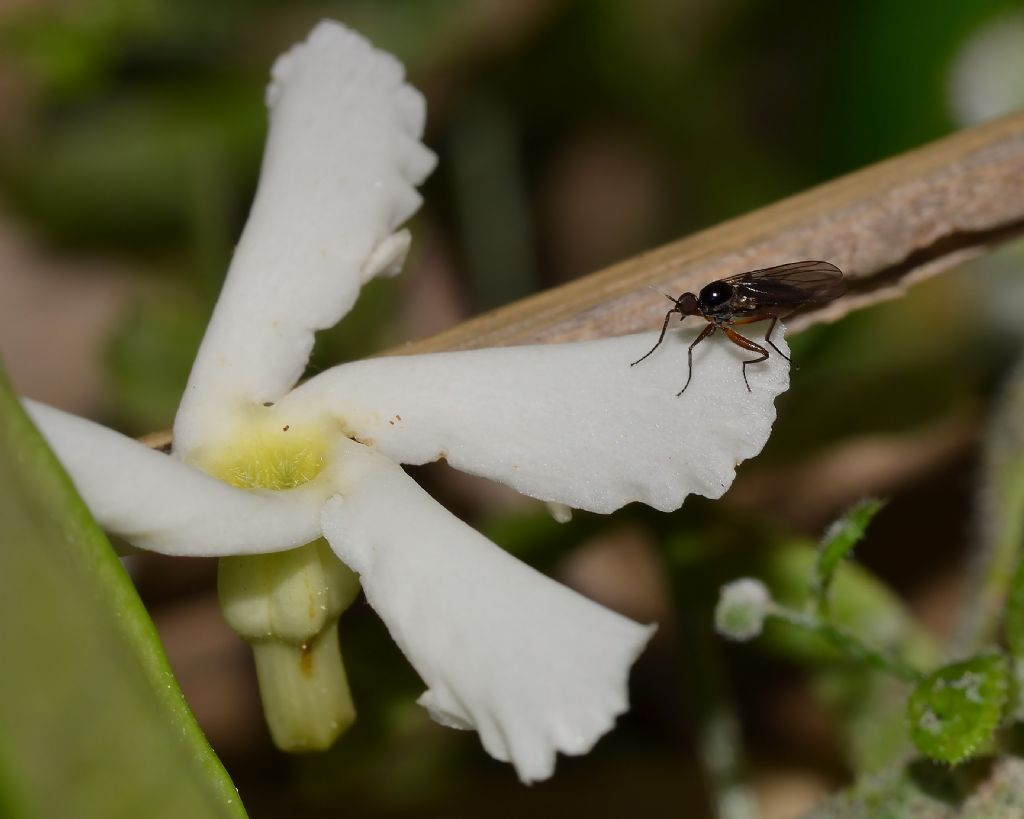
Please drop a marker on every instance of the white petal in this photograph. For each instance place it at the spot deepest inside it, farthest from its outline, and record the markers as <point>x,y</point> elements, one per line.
<point>533,666</point>
<point>569,423</point>
<point>340,170</point>
<point>158,503</point>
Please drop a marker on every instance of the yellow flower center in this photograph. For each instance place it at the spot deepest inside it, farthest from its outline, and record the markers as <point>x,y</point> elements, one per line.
<point>268,453</point>
<point>287,604</point>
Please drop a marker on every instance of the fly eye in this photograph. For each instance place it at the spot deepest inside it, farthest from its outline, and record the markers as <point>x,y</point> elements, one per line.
<point>715,294</point>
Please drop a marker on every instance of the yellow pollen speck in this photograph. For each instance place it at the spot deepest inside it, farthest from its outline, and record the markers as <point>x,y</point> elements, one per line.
<point>268,454</point>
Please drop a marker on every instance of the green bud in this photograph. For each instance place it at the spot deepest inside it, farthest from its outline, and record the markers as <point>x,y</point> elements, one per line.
<point>742,608</point>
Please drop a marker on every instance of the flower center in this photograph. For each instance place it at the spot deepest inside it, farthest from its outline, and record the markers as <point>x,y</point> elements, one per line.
<point>267,453</point>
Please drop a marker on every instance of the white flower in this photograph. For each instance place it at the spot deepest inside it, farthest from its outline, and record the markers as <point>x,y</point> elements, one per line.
<point>534,667</point>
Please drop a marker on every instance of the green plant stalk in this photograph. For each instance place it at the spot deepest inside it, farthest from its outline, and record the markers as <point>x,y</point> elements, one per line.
<point>1015,641</point>
<point>92,721</point>
<point>1000,546</point>
<point>719,744</point>
<point>869,705</point>
<point>720,747</point>
<point>859,603</point>
<point>1015,616</point>
<point>848,644</point>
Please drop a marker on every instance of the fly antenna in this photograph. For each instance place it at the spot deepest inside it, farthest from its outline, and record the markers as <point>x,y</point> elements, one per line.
<point>666,295</point>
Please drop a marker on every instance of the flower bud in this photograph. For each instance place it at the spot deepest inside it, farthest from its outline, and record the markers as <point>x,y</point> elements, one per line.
<point>742,608</point>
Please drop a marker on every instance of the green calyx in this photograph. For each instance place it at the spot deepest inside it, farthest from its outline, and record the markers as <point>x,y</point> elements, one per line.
<point>287,605</point>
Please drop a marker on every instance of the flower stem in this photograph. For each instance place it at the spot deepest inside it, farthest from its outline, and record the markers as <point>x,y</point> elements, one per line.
<point>305,693</point>
<point>848,644</point>
<point>286,605</point>
<point>707,694</point>
<point>1000,520</point>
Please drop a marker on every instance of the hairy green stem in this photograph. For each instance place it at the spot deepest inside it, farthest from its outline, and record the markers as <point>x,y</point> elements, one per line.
<point>848,643</point>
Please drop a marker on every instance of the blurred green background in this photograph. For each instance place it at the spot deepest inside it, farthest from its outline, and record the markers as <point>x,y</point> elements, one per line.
<point>571,134</point>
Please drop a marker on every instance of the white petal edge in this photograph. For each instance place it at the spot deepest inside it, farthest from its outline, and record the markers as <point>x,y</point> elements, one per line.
<point>533,666</point>
<point>573,424</point>
<point>340,170</point>
<point>160,504</point>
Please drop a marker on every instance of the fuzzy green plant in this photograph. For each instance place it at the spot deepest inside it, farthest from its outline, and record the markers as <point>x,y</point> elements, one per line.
<point>960,755</point>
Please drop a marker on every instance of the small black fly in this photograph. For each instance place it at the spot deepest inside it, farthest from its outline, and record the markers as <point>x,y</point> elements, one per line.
<point>773,292</point>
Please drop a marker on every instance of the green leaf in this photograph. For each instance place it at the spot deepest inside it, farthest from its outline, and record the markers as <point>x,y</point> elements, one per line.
<point>837,544</point>
<point>954,711</point>
<point>92,722</point>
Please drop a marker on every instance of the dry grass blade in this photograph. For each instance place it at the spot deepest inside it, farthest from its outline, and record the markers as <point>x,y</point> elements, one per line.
<point>887,226</point>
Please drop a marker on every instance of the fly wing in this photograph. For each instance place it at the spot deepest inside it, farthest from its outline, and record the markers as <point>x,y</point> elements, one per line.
<point>793,284</point>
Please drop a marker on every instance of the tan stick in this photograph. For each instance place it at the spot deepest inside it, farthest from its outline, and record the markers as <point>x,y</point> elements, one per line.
<point>887,226</point>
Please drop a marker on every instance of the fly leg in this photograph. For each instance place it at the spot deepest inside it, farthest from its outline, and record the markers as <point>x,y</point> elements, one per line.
<point>661,338</point>
<point>689,353</point>
<point>767,337</point>
<point>746,344</point>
